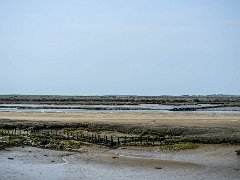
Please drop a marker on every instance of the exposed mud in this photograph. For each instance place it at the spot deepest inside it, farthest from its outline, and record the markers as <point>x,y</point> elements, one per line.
<point>208,162</point>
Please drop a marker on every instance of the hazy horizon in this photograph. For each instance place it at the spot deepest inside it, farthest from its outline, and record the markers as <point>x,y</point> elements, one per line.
<point>190,95</point>
<point>127,47</point>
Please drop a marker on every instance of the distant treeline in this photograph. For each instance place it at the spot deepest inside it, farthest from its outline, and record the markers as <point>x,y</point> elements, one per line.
<point>119,100</point>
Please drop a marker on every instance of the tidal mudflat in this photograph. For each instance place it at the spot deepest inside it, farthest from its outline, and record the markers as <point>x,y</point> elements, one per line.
<point>206,162</point>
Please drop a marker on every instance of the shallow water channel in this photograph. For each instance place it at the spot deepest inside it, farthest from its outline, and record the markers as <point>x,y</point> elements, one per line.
<point>148,108</point>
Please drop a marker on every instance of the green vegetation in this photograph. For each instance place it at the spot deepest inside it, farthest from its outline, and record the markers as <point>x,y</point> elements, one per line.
<point>57,144</point>
<point>10,141</point>
<point>179,146</point>
<point>69,129</point>
<point>72,139</point>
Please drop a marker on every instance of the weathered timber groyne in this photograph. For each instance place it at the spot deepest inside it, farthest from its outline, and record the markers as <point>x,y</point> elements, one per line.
<point>106,140</point>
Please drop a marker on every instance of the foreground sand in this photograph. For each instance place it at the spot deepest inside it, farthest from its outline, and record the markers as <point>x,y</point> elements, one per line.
<point>172,119</point>
<point>208,162</point>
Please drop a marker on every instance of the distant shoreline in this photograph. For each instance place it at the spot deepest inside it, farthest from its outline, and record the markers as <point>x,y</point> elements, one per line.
<point>233,101</point>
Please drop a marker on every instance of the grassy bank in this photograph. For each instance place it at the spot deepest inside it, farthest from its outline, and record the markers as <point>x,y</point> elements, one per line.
<point>172,134</point>
<point>73,139</point>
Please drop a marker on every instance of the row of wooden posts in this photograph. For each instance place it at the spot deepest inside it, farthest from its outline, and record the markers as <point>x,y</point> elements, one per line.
<point>106,140</point>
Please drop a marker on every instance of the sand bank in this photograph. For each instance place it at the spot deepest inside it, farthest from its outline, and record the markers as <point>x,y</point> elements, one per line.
<point>171,119</point>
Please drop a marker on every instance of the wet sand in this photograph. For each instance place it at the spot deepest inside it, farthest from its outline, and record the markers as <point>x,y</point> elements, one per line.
<point>207,162</point>
<point>156,118</point>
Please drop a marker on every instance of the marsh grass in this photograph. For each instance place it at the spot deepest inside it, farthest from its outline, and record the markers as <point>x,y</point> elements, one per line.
<point>11,141</point>
<point>179,146</point>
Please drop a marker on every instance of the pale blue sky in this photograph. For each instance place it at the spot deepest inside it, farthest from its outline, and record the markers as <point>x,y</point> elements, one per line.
<point>143,47</point>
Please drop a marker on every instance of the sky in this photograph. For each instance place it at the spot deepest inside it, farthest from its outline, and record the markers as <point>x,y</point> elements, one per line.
<point>125,47</point>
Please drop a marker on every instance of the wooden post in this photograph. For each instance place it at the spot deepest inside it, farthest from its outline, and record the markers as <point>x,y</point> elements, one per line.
<point>106,139</point>
<point>95,138</point>
<point>147,140</point>
<point>99,139</point>
<point>111,141</point>
<point>153,141</point>
<point>118,142</point>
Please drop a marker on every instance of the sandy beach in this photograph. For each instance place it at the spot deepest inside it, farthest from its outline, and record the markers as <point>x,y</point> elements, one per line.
<point>172,119</point>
